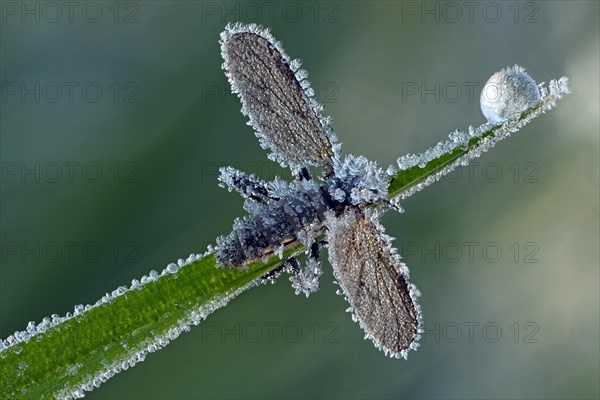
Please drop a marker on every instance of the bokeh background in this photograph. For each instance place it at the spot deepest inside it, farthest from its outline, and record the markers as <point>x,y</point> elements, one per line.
<point>115,175</point>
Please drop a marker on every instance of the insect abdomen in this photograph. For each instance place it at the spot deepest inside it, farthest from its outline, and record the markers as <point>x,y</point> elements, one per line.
<point>270,226</point>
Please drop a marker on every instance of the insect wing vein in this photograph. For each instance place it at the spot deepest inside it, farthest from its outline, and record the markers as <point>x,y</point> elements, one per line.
<point>281,110</point>
<point>374,281</point>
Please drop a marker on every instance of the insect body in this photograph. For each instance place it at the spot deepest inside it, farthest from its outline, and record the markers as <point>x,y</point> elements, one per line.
<point>277,216</point>
<point>278,100</point>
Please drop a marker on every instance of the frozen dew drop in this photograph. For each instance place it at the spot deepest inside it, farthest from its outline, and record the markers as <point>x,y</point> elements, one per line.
<point>508,93</point>
<point>172,268</point>
<point>31,328</point>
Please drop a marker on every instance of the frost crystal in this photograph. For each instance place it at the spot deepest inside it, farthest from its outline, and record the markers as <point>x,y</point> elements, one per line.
<point>374,282</point>
<point>276,96</point>
<point>249,186</point>
<point>508,93</point>
<point>358,179</point>
<point>307,279</point>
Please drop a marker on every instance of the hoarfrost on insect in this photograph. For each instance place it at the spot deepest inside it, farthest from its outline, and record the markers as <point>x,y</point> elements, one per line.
<point>279,102</point>
<point>341,206</point>
<point>507,94</point>
<point>307,280</point>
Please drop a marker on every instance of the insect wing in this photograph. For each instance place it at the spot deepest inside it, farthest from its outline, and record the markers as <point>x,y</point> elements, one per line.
<point>374,281</point>
<point>276,97</point>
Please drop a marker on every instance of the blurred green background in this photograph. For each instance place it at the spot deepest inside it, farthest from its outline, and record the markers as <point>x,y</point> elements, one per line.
<point>115,174</point>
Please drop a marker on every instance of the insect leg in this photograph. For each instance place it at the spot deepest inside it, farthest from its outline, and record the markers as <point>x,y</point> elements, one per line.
<point>304,174</point>
<point>306,280</point>
<point>249,186</point>
<point>291,266</point>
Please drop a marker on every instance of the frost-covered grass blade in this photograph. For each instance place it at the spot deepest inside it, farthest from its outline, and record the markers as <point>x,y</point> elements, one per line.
<point>62,357</point>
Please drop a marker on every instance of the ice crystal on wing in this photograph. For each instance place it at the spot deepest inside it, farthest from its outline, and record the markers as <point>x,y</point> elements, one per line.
<point>507,94</point>
<point>374,281</point>
<point>276,96</point>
